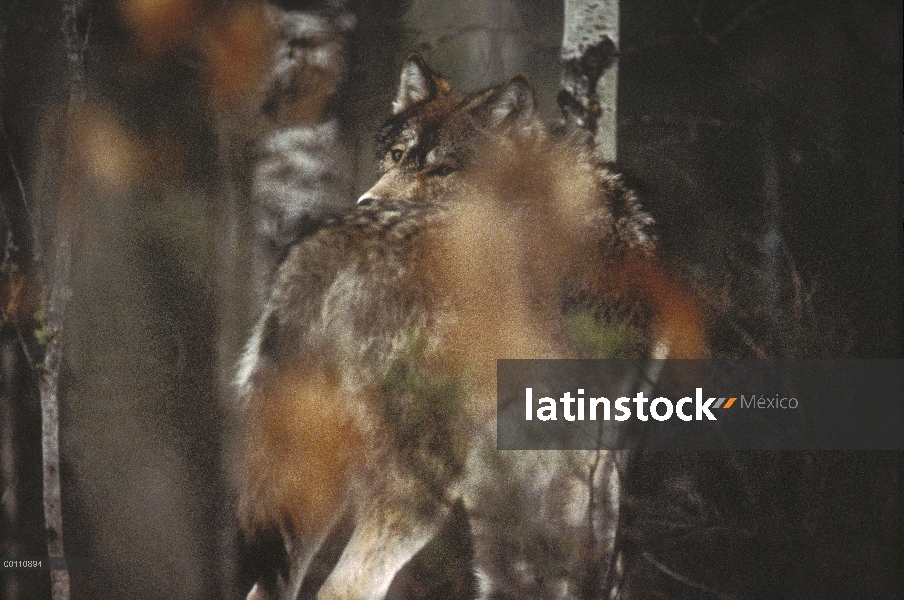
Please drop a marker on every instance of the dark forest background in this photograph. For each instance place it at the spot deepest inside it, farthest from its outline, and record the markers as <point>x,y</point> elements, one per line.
<point>170,143</point>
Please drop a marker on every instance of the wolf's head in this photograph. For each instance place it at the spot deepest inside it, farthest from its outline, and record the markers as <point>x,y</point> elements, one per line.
<point>435,133</point>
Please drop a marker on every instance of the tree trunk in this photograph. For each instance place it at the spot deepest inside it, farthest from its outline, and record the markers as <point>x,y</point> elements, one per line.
<point>57,277</point>
<point>588,104</point>
<point>590,77</point>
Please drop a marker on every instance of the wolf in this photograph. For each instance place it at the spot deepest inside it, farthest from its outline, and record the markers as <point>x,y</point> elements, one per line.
<point>367,388</point>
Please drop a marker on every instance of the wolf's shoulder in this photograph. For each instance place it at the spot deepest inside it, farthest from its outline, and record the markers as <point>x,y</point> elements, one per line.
<point>373,236</point>
<point>371,224</point>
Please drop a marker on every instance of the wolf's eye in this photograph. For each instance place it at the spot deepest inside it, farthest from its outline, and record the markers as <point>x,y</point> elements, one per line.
<point>442,170</point>
<point>396,154</point>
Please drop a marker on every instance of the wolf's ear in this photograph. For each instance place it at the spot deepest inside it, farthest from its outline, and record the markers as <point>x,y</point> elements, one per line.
<point>416,84</point>
<point>513,103</point>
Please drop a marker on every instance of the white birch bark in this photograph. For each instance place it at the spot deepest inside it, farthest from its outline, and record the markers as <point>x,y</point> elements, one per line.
<point>590,72</point>
<point>588,104</point>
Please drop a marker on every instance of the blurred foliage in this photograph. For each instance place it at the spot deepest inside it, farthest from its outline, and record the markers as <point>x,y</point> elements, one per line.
<point>606,341</point>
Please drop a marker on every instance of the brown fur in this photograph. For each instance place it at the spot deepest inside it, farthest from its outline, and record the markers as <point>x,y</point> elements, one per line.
<point>300,446</point>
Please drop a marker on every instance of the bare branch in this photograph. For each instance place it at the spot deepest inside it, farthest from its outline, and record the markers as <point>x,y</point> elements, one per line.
<point>686,581</point>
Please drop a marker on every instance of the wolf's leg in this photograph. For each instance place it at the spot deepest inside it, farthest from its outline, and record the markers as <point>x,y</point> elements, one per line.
<point>385,538</point>
<point>542,523</point>
<point>300,552</point>
<point>258,593</point>
<point>504,498</point>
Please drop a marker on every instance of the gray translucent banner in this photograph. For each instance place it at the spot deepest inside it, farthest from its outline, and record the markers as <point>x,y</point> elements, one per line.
<point>701,404</point>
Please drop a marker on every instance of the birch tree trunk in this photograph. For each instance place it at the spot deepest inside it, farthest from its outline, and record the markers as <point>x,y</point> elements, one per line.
<point>590,72</point>
<point>588,104</point>
<point>304,171</point>
<point>58,291</point>
<point>285,169</point>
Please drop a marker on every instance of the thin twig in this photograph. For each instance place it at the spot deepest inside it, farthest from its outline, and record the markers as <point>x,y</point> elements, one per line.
<point>681,578</point>
<point>23,199</point>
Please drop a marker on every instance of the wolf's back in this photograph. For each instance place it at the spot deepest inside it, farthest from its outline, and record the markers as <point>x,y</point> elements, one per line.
<point>342,289</point>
